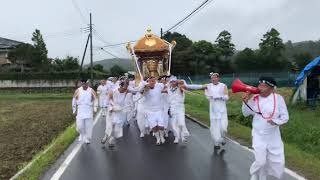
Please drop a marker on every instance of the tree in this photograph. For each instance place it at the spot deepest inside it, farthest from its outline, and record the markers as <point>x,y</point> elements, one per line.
<point>204,57</point>
<point>98,67</point>
<point>57,65</point>
<point>182,41</point>
<point>22,55</point>
<point>70,63</point>
<point>224,44</point>
<point>182,54</point>
<point>302,59</point>
<point>40,58</point>
<point>271,52</point>
<point>272,45</point>
<point>246,60</point>
<point>117,70</point>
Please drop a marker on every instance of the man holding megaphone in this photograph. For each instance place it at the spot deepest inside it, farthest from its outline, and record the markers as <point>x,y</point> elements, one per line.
<point>269,112</point>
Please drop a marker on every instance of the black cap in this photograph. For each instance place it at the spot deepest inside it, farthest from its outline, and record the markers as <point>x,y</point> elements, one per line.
<point>268,80</point>
<point>84,80</point>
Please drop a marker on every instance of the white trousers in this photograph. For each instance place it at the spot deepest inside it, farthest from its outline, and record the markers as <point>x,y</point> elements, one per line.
<point>84,127</point>
<point>218,126</point>
<point>114,124</point>
<point>178,124</point>
<point>155,118</point>
<point>269,156</point>
<point>141,119</point>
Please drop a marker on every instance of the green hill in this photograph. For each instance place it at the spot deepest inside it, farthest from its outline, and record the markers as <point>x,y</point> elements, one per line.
<point>126,64</point>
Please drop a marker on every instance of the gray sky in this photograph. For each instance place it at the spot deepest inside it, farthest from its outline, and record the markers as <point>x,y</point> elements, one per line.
<point>122,20</point>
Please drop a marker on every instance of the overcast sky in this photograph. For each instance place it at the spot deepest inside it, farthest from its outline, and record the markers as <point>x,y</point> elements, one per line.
<point>60,21</point>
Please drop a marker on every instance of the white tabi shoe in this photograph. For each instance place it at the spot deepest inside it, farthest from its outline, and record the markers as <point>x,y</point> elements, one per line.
<point>254,177</point>
<point>162,137</point>
<point>111,142</point>
<point>142,135</point>
<point>87,141</point>
<point>166,133</point>
<point>157,135</point>
<point>80,138</point>
<point>104,139</point>
<point>184,140</point>
<point>176,140</point>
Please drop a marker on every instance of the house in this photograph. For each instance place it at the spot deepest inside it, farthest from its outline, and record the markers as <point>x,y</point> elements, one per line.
<point>5,46</point>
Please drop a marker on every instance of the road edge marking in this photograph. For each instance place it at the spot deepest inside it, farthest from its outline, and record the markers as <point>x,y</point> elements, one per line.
<point>63,166</point>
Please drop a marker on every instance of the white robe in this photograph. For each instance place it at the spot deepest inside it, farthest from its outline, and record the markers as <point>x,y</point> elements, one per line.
<point>116,115</point>
<point>166,106</point>
<point>84,119</point>
<point>131,111</point>
<point>102,91</point>
<point>153,106</point>
<point>266,141</point>
<point>218,111</point>
<point>177,112</point>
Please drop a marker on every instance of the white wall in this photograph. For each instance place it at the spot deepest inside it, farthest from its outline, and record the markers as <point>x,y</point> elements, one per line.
<point>36,83</point>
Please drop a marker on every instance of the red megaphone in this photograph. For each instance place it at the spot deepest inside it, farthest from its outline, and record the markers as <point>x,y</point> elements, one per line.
<point>238,86</point>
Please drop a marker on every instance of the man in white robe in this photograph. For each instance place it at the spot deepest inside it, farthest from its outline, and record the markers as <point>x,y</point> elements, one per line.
<point>269,111</point>
<point>131,113</point>
<point>102,91</point>
<point>177,111</point>
<point>153,108</point>
<point>116,115</point>
<point>217,94</point>
<point>83,103</point>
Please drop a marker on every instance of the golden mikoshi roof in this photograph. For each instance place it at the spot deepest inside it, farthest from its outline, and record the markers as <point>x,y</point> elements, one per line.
<point>151,43</point>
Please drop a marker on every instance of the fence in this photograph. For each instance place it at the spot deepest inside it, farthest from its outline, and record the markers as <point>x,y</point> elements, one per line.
<point>284,79</point>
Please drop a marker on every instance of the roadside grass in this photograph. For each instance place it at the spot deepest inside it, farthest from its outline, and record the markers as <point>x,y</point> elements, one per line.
<point>301,134</point>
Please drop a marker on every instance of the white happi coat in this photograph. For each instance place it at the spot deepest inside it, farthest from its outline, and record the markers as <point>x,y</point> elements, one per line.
<point>102,91</point>
<point>266,141</point>
<point>153,106</point>
<point>83,103</point>
<point>131,113</point>
<point>218,111</point>
<point>177,112</point>
<point>116,114</point>
<point>166,106</point>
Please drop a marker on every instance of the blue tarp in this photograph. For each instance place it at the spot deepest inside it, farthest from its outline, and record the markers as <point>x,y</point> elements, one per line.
<point>305,71</point>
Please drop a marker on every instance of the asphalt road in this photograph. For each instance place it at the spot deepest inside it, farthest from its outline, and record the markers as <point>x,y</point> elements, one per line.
<point>134,158</point>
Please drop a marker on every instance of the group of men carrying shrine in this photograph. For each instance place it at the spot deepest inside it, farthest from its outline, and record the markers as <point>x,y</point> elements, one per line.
<point>157,105</point>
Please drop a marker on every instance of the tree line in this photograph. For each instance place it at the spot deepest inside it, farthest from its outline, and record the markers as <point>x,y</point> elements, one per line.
<point>201,57</point>
<point>189,57</point>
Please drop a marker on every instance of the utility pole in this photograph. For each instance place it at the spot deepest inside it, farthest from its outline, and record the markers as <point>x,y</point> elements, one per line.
<point>91,55</point>
<point>161,33</point>
<point>83,56</point>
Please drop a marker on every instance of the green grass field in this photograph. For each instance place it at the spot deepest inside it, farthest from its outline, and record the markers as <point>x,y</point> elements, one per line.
<point>28,124</point>
<point>301,134</point>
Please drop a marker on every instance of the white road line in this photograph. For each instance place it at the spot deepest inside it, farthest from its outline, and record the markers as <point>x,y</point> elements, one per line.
<point>288,171</point>
<point>73,153</point>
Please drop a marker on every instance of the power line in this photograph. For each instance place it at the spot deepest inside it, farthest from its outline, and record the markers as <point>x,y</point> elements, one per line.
<point>75,5</point>
<point>100,38</point>
<point>109,53</point>
<point>189,15</point>
<point>179,23</point>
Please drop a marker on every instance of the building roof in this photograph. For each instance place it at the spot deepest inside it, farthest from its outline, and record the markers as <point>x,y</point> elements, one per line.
<point>8,43</point>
